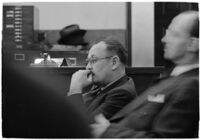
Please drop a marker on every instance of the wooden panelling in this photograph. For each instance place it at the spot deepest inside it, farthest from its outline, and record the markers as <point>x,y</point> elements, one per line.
<point>142,76</point>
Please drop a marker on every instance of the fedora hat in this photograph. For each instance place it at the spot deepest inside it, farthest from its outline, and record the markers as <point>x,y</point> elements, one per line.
<point>72,35</point>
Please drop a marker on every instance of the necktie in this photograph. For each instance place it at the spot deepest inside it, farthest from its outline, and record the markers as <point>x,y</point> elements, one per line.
<point>89,97</point>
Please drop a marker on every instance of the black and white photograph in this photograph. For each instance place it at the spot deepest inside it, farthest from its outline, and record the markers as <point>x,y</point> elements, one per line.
<point>100,70</point>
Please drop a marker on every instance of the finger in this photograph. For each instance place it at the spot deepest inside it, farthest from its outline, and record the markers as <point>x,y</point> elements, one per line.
<point>100,119</point>
<point>89,77</point>
<point>93,125</point>
<point>85,72</point>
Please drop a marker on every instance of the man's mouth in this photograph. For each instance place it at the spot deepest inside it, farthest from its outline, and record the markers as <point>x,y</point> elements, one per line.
<point>165,48</point>
<point>90,73</point>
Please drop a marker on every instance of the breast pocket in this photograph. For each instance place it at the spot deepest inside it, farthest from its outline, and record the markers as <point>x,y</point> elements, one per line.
<point>148,113</point>
<point>143,117</point>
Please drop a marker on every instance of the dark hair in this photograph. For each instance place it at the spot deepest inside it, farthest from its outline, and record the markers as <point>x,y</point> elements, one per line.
<point>115,46</point>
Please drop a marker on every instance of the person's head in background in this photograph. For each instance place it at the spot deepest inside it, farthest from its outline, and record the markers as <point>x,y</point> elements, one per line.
<point>106,60</point>
<point>73,36</point>
<point>181,41</point>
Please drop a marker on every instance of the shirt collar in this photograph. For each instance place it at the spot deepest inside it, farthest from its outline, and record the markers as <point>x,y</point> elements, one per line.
<point>181,69</point>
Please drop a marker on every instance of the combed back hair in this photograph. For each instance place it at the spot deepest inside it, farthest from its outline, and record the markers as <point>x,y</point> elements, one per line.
<point>113,45</point>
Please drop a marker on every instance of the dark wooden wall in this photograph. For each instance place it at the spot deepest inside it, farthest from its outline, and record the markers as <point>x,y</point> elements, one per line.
<point>142,76</point>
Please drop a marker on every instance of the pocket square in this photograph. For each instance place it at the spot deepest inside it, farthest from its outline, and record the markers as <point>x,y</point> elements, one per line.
<point>158,98</point>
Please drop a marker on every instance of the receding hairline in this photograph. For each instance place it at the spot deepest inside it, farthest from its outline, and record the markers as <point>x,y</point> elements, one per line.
<point>103,47</point>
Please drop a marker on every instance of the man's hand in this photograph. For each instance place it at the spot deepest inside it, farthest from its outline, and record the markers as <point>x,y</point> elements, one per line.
<point>100,126</point>
<point>80,79</point>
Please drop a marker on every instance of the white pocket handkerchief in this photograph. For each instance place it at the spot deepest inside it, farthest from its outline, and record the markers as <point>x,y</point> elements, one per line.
<point>158,98</point>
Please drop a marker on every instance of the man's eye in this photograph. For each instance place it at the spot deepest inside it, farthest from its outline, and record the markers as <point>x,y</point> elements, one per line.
<point>93,61</point>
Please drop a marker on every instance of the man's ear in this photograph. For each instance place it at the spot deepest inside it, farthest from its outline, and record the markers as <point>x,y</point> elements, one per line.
<point>194,45</point>
<point>115,62</point>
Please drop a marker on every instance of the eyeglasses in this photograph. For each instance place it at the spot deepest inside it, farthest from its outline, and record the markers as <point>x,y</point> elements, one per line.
<point>94,60</point>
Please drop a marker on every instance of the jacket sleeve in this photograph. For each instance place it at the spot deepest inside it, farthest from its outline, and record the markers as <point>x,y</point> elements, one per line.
<point>115,101</point>
<point>178,118</point>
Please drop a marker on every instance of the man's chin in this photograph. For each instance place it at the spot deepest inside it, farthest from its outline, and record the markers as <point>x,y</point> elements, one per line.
<point>96,83</point>
<point>166,57</point>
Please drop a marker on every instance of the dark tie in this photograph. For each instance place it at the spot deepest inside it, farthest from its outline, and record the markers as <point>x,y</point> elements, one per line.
<point>89,97</point>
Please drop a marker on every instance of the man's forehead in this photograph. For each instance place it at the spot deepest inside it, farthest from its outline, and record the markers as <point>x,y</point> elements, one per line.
<point>182,23</point>
<point>98,49</point>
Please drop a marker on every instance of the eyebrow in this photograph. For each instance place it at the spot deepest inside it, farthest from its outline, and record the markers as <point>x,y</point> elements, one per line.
<point>92,56</point>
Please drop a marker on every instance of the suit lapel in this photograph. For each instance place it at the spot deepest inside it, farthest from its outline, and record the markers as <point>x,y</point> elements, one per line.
<point>97,94</point>
<point>131,106</point>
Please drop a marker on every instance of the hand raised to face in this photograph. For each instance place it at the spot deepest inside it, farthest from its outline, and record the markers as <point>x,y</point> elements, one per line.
<point>80,80</point>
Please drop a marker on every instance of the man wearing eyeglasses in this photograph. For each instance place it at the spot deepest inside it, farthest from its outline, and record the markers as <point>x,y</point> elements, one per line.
<point>111,88</point>
<point>170,108</point>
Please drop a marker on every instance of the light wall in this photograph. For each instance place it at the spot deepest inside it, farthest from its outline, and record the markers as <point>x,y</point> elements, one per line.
<point>143,34</point>
<point>89,15</point>
<point>101,15</point>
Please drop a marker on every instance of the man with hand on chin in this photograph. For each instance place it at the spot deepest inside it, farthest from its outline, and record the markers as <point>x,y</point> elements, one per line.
<point>105,72</point>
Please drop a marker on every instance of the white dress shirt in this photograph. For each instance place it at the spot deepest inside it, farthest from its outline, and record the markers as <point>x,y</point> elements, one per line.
<point>181,69</point>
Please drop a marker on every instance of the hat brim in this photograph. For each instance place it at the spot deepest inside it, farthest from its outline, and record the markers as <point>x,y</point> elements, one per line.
<point>62,41</point>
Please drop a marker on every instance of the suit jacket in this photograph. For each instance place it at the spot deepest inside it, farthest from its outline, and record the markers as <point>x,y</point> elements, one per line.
<point>111,99</point>
<point>169,109</point>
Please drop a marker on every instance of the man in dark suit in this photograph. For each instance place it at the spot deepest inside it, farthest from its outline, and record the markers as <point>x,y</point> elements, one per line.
<point>170,108</point>
<point>105,70</point>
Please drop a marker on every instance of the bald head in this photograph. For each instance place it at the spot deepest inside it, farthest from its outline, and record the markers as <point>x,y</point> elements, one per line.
<point>190,22</point>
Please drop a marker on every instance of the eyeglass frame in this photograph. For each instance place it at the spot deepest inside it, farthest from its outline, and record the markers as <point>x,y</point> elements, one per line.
<point>95,60</point>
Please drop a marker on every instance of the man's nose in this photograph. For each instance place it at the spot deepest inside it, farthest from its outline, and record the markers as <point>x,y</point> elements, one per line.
<point>89,67</point>
<point>163,40</point>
